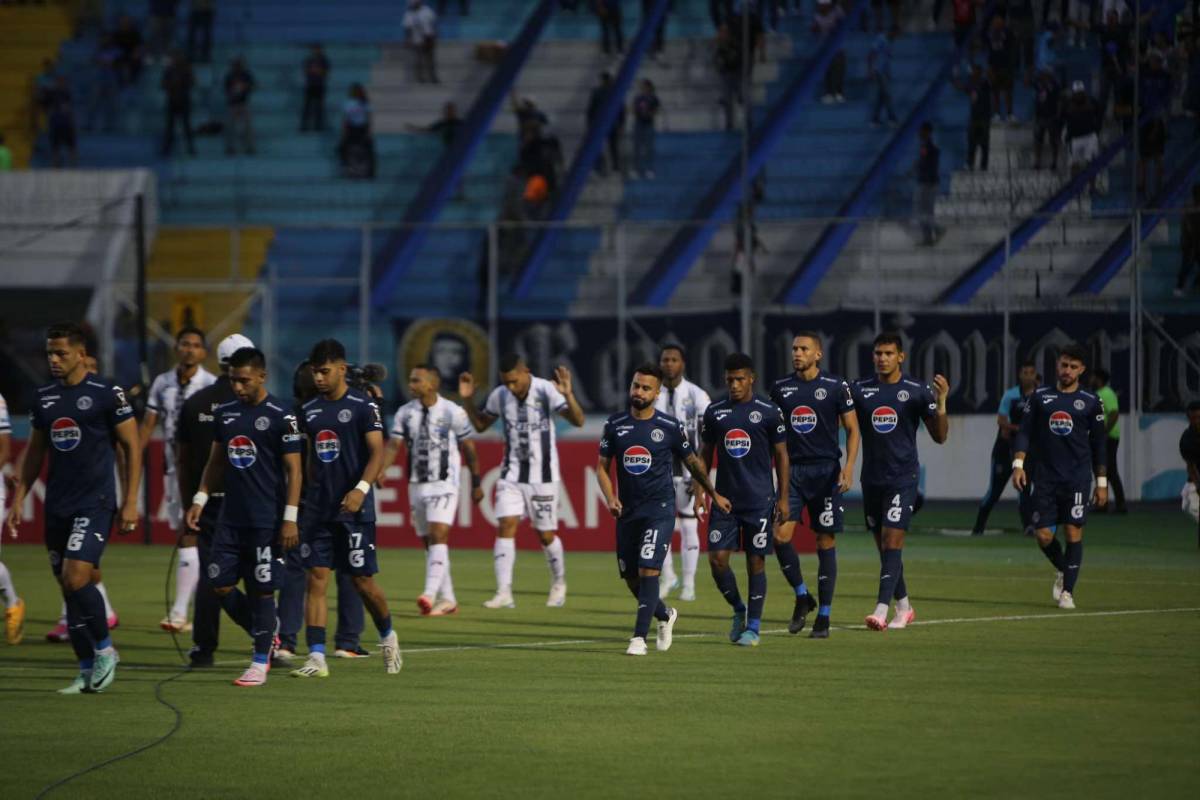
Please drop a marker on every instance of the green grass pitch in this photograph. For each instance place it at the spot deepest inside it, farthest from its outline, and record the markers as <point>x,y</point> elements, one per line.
<point>994,693</point>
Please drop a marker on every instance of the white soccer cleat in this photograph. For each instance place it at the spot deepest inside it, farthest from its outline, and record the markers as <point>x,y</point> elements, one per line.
<point>1066,600</point>
<point>558,595</point>
<point>665,631</point>
<point>255,675</point>
<point>637,647</point>
<point>876,622</point>
<point>392,659</point>
<point>443,608</point>
<point>902,618</point>
<point>501,600</point>
<point>688,594</point>
<point>314,667</point>
<point>174,624</point>
<point>283,656</point>
<point>1057,591</point>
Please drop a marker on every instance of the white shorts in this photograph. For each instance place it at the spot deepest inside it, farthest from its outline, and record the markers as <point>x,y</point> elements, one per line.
<point>174,504</point>
<point>432,504</point>
<point>1083,149</point>
<point>684,499</point>
<point>537,501</point>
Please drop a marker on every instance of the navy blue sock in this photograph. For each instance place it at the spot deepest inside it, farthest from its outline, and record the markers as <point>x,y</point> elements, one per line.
<point>1074,560</point>
<point>81,641</point>
<point>647,603</point>
<point>901,591</point>
<point>237,606</point>
<point>727,585</point>
<point>90,604</point>
<point>383,625</point>
<point>826,580</point>
<point>661,612</point>
<point>889,574</point>
<point>314,637</point>
<point>264,621</point>
<point>1054,552</point>
<point>789,563</point>
<point>758,598</point>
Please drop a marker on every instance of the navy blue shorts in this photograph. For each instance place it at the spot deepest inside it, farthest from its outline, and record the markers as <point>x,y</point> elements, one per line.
<point>815,487</point>
<point>749,530</point>
<point>250,554</point>
<point>1054,503</point>
<point>80,536</point>
<point>642,542</point>
<point>345,546</point>
<point>889,506</point>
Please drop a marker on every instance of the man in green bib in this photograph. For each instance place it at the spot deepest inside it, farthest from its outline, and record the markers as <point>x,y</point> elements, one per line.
<point>1108,397</point>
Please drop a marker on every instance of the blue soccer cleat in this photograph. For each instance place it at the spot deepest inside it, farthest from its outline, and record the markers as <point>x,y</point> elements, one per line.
<point>738,627</point>
<point>748,639</point>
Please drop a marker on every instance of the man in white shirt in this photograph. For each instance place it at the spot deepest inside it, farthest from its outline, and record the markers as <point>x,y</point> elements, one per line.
<point>420,28</point>
<point>164,402</point>
<point>14,606</point>
<point>529,481</point>
<point>686,402</point>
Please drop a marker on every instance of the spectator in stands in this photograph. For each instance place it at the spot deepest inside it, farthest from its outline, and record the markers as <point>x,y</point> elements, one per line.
<point>200,30</point>
<point>60,120</point>
<point>928,180</point>
<point>728,62</point>
<point>1078,21</point>
<point>464,7</point>
<point>356,149</point>
<point>1081,129</point>
<point>964,19</point>
<point>608,13</point>
<point>42,94</point>
<point>748,28</point>
<point>645,112</point>
<point>129,40</point>
<point>1002,60</point>
<point>162,27</point>
<point>445,126</point>
<point>1154,97</point>
<point>656,48</point>
<point>824,23</point>
<point>1047,49</point>
<point>6,159</point>
<point>720,11</point>
<point>1114,54</point>
<point>527,112</point>
<point>1189,243</point>
<point>595,101</point>
<point>239,85</point>
<point>979,120</point>
<point>105,88</point>
<point>1020,22</point>
<point>1047,117</point>
<point>177,83</point>
<point>879,69</point>
<point>316,78</point>
<point>420,27</point>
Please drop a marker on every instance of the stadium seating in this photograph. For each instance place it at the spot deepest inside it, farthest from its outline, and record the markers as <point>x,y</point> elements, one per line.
<point>28,36</point>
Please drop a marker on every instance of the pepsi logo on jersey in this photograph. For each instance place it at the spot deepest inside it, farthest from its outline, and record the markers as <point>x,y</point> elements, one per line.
<point>637,460</point>
<point>804,419</point>
<point>737,443</point>
<point>65,434</point>
<point>1061,423</point>
<point>884,419</point>
<point>327,446</point>
<point>242,452</point>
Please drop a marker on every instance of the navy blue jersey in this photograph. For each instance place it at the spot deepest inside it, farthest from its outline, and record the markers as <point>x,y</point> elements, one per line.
<point>645,451</point>
<point>79,422</point>
<point>337,435</point>
<point>744,435</point>
<point>812,410</point>
<point>889,415</point>
<point>255,440</point>
<point>1066,430</point>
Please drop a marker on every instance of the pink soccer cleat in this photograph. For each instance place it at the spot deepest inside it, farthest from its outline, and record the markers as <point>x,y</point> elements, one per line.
<point>58,633</point>
<point>425,603</point>
<point>255,675</point>
<point>876,623</point>
<point>903,618</point>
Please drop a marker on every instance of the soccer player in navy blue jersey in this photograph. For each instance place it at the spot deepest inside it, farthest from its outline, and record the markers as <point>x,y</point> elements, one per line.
<point>255,460</point>
<point>891,407</point>
<point>647,443</point>
<point>1064,425</point>
<point>1008,422</point>
<point>813,403</point>
<point>751,435</point>
<point>76,421</point>
<point>346,457</point>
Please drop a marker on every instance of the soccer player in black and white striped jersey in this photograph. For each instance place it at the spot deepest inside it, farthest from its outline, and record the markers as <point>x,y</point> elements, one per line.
<point>529,475</point>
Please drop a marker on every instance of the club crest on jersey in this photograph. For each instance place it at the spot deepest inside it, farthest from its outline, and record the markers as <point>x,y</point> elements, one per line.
<point>327,446</point>
<point>1079,404</point>
<point>657,435</point>
<point>83,403</point>
<point>737,443</point>
<point>344,415</point>
<point>637,460</point>
<point>820,394</point>
<point>242,452</point>
<point>884,419</point>
<point>902,396</point>
<point>1061,423</point>
<point>755,417</point>
<point>262,423</point>
<point>804,419</point>
<point>65,434</point>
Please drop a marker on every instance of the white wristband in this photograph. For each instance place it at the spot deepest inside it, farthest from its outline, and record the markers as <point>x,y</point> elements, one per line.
<point>200,499</point>
<point>1018,463</point>
<point>1102,482</point>
<point>290,513</point>
<point>363,486</point>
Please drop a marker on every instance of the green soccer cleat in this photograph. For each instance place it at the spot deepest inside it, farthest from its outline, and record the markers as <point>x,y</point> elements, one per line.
<point>748,639</point>
<point>79,685</point>
<point>103,672</point>
<point>737,628</point>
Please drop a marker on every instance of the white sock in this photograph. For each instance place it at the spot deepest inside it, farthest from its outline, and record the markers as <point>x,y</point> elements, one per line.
<point>555,560</point>
<point>690,557</point>
<point>187,575</point>
<point>881,610</point>
<point>504,557</point>
<point>668,570</point>
<point>447,587</point>
<point>108,609</point>
<point>902,604</point>
<point>435,569</point>
<point>8,592</point>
